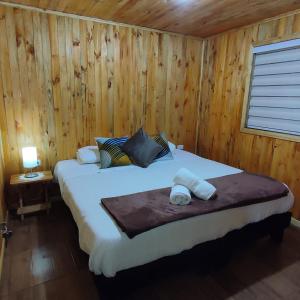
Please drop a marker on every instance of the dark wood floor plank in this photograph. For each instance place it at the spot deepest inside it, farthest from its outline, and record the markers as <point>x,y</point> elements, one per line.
<point>20,271</point>
<point>212,289</point>
<point>43,261</point>
<point>181,283</point>
<point>4,282</point>
<point>233,285</point>
<point>76,286</point>
<point>50,262</point>
<point>21,240</point>
<point>253,275</point>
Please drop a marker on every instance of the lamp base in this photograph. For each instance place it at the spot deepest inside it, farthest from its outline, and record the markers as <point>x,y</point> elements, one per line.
<point>31,175</point>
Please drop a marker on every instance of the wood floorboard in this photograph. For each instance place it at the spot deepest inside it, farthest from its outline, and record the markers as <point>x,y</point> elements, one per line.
<point>43,261</point>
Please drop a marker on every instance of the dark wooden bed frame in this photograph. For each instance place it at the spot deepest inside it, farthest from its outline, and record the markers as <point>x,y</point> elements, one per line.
<point>203,257</point>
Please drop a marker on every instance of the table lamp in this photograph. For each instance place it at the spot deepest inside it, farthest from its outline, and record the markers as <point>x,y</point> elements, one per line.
<point>30,160</point>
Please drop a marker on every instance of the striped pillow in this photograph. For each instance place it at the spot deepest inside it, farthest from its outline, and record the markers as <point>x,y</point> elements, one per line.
<point>165,154</point>
<point>111,154</point>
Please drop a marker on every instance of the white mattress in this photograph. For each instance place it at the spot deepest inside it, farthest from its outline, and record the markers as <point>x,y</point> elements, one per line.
<point>110,250</point>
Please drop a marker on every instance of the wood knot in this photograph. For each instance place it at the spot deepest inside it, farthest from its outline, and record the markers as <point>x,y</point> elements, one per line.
<point>18,39</point>
<point>97,54</point>
<point>56,80</point>
<point>31,50</point>
<point>76,43</point>
<point>77,74</point>
<point>89,38</point>
<point>17,124</point>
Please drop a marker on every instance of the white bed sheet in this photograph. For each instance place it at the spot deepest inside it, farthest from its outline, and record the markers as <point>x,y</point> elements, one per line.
<point>110,250</point>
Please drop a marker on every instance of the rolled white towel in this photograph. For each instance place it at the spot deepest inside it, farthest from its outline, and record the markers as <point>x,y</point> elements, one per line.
<point>199,187</point>
<point>180,195</point>
<point>204,190</point>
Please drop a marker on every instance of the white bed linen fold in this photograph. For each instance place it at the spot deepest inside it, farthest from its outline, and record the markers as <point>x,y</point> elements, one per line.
<point>110,250</point>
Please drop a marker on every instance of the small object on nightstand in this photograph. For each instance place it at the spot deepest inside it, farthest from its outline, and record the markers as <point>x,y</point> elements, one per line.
<point>20,180</point>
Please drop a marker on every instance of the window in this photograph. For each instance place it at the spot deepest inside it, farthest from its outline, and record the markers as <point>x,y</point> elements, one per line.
<point>273,101</point>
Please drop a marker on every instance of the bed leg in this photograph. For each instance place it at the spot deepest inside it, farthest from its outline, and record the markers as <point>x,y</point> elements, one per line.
<point>277,236</point>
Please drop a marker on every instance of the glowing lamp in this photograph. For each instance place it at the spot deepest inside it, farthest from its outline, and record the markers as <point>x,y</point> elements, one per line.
<point>30,160</point>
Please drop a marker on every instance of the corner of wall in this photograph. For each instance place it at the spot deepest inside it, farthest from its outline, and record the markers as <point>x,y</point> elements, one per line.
<point>204,41</point>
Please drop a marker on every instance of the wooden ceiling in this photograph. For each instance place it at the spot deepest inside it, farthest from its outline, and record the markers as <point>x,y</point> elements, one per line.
<point>192,17</point>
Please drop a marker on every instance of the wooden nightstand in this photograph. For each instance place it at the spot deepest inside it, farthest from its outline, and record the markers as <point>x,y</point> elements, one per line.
<point>20,181</point>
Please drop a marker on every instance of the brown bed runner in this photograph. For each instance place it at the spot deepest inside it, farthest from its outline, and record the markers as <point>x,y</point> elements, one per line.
<point>137,213</point>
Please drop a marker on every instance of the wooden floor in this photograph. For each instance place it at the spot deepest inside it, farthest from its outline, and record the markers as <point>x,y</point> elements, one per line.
<point>43,261</point>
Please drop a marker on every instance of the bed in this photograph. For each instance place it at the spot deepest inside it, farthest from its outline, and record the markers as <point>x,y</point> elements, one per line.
<point>110,250</point>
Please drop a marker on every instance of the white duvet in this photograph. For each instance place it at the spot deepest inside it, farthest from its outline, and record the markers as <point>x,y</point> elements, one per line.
<point>110,250</point>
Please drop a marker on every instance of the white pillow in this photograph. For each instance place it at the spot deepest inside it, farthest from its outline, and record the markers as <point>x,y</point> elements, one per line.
<point>88,155</point>
<point>172,147</point>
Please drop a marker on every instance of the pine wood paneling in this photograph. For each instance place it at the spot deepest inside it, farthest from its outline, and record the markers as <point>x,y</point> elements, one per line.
<point>2,171</point>
<point>67,80</point>
<point>2,202</point>
<point>192,17</point>
<point>225,72</point>
<point>2,181</point>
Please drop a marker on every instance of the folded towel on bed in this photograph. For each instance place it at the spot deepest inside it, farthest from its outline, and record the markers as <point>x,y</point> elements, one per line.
<point>180,195</point>
<point>200,188</point>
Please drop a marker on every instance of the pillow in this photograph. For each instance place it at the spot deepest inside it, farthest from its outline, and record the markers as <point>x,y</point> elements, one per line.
<point>88,155</point>
<point>141,149</point>
<point>120,140</point>
<point>111,154</point>
<point>172,146</point>
<point>165,153</point>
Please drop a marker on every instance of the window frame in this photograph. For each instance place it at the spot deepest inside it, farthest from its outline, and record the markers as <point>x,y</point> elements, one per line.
<point>246,101</point>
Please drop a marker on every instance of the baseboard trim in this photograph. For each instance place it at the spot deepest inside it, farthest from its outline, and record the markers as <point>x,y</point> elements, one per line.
<point>3,249</point>
<point>2,257</point>
<point>295,222</point>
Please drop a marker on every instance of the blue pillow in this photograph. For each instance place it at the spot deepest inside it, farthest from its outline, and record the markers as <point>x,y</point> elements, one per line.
<point>165,153</point>
<point>111,154</point>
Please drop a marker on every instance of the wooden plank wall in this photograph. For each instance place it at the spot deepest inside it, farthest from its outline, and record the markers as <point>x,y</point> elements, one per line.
<point>2,183</point>
<point>64,81</point>
<point>2,202</point>
<point>223,86</point>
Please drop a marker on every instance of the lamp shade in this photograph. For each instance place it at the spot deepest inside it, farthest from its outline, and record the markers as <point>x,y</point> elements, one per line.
<point>29,157</point>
